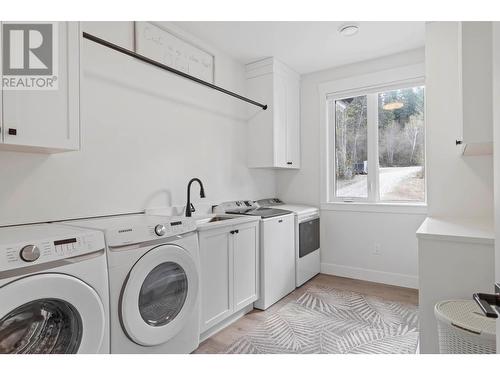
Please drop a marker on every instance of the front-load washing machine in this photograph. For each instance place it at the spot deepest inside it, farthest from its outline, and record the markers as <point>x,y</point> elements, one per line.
<point>53,290</point>
<point>154,282</point>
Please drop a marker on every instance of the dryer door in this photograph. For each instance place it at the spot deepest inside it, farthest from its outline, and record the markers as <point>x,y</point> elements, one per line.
<point>159,295</point>
<point>50,314</point>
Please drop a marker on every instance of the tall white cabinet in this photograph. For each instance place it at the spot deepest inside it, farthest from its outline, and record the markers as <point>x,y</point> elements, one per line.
<point>46,120</point>
<point>274,134</point>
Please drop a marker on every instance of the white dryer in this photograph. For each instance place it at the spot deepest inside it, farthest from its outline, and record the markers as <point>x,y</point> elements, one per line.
<point>154,282</point>
<point>307,237</point>
<point>53,290</point>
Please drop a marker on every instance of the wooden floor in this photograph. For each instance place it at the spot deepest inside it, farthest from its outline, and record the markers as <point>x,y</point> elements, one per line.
<point>219,342</point>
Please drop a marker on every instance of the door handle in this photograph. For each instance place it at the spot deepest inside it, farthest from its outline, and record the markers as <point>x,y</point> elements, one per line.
<point>12,131</point>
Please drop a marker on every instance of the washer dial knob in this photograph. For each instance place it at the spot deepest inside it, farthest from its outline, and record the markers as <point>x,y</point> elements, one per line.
<point>160,229</point>
<point>30,253</point>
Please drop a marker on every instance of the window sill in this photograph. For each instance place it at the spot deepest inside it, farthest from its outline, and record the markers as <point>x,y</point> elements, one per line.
<point>394,208</point>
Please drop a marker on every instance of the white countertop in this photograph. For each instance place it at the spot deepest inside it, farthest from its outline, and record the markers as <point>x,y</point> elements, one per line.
<point>203,221</point>
<point>461,230</point>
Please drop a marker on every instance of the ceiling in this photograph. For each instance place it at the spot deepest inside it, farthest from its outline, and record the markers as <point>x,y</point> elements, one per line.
<point>307,46</point>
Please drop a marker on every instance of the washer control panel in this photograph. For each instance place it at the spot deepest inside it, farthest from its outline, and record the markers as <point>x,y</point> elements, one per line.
<point>175,226</point>
<point>160,230</point>
<point>269,202</point>
<point>37,248</point>
<point>30,253</point>
<point>146,228</point>
<point>235,207</point>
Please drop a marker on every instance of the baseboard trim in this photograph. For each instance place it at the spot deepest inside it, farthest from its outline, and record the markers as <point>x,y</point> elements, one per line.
<point>390,278</point>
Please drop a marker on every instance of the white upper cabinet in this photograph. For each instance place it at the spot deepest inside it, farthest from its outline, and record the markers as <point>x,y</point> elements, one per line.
<point>477,90</point>
<point>47,120</point>
<point>274,134</point>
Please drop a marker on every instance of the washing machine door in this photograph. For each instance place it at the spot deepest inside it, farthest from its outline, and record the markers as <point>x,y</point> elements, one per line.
<point>50,314</point>
<point>159,295</point>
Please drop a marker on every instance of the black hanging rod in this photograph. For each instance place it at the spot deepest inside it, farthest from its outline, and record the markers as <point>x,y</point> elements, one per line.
<point>145,59</point>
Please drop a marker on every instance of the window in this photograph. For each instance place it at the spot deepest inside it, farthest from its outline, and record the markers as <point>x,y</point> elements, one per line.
<point>351,148</point>
<point>379,151</point>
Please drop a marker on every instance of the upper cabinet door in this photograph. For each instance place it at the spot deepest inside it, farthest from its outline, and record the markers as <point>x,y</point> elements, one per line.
<point>476,79</point>
<point>293,125</point>
<point>280,121</point>
<point>274,134</point>
<point>47,120</point>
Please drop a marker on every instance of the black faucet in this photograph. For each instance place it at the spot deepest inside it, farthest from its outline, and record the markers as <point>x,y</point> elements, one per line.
<point>189,206</point>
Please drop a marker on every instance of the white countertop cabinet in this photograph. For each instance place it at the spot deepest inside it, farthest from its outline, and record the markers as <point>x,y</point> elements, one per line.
<point>47,121</point>
<point>229,257</point>
<point>455,260</point>
<point>274,134</point>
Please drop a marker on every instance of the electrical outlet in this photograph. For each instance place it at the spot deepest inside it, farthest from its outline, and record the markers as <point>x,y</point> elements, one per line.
<point>376,249</point>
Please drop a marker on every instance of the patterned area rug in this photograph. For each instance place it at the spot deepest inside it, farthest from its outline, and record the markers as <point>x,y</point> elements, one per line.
<point>326,320</point>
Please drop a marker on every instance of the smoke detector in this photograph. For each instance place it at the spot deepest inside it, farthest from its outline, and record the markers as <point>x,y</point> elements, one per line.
<point>348,29</point>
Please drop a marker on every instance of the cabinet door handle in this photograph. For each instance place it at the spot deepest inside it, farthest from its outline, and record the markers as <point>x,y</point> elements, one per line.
<point>280,220</point>
<point>289,162</point>
<point>237,231</point>
<point>458,142</point>
<point>12,131</point>
<point>232,232</point>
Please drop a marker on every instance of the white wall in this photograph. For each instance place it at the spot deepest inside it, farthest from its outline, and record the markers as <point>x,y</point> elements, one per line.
<point>145,132</point>
<point>458,187</point>
<point>348,238</point>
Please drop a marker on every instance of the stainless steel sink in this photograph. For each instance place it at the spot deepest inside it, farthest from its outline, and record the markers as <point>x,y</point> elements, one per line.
<point>213,219</point>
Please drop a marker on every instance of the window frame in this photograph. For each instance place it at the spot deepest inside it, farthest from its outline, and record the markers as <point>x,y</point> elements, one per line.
<point>369,85</point>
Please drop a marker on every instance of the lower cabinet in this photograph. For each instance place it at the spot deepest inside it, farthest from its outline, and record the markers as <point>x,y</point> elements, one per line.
<point>229,258</point>
<point>245,265</point>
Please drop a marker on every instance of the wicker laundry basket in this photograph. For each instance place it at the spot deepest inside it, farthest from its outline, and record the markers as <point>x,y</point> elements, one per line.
<point>464,329</point>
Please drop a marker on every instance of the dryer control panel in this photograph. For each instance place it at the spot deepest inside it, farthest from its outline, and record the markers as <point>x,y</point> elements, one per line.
<point>37,244</point>
<point>235,207</point>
